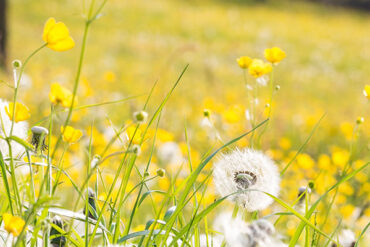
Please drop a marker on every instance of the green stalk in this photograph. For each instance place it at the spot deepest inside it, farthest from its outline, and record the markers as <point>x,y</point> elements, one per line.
<point>12,168</point>
<point>88,22</point>
<point>270,105</point>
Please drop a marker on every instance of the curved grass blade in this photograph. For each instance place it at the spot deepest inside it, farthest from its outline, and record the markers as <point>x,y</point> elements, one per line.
<point>362,233</point>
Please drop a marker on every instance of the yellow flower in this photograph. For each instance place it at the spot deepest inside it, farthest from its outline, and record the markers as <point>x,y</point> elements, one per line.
<point>259,68</point>
<point>367,91</point>
<point>60,95</point>
<point>56,35</point>
<point>13,224</point>
<point>285,143</point>
<point>134,136</point>
<point>305,161</point>
<point>346,210</point>
<point>21,112</point>
<point>70,134</point>
<point>233,114</point>
<point>109,76</point>
<point>244,62</point>
<point>274,55</point>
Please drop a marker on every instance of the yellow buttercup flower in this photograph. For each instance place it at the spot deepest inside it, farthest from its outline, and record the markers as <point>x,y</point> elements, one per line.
<point>274,55</point>
<point>21,112</point>
<point>367,91</point>
<point>56,35</point>
<point>244,62</point>
<point>259,68</point>
<point>13,224</point>
<point>70,134</point>
<point>60,95</point>
<point>134,136</point>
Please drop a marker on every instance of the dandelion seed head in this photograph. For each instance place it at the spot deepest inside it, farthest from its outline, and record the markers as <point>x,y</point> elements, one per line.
<point>59,240</point>
<point>247,169</point>
<point>347,238</point>
<point>213,240</point>
<point>238,233</point>
<point>38,137</point>
<point>170,152</point>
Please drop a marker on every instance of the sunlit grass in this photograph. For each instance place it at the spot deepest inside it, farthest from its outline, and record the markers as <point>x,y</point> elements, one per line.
<point>152,92</point>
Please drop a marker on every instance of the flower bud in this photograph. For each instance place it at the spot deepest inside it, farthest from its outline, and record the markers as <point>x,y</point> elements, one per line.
<point>161,172</point>
<point>136,149</point>
<point>277,87</point>
<point>360,120</point>
<point>140,116</point>
<point>206,113</point>
<point>16,64</point>
<point>311,184</point>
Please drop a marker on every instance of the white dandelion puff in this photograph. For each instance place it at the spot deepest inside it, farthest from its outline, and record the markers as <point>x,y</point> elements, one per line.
<point>170,153</point>
<point>346,238</point>
<point>250,173</point>
<point>19,130</point>
<point>238,233</point>
<point>210,240</point>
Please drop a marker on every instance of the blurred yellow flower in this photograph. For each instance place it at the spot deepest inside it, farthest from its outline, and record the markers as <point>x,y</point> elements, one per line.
<point>367,91</point>
<point>324,162</point>
<point>60,95</point>
<point>21,112</point>
<point>109,76</point>
<point>340,157</point>
<point>347,210</point>
<point>305,161</point>
<point>13,224</point>
<point>258,68</point>
<point>274,55</point>
<point>131,135</point>
<point>347,129</point>
<point>233,114</point>
<point>346,189</point>
<point>244,62</point>
<point>285,143</point>
<point>164,135</point>
<point>56,35</point>
<point>70,134</point>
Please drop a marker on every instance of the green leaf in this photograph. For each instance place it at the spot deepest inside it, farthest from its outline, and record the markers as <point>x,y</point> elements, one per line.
<point>148,193</point>
<point>25,144</point>
<point>169,213</point>
<point>138,234</point>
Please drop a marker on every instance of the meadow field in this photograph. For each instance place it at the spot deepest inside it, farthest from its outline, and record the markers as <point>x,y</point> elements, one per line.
<point>185,123</point>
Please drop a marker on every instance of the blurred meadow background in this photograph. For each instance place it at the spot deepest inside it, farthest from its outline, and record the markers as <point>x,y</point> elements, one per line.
<point>134,44</point>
